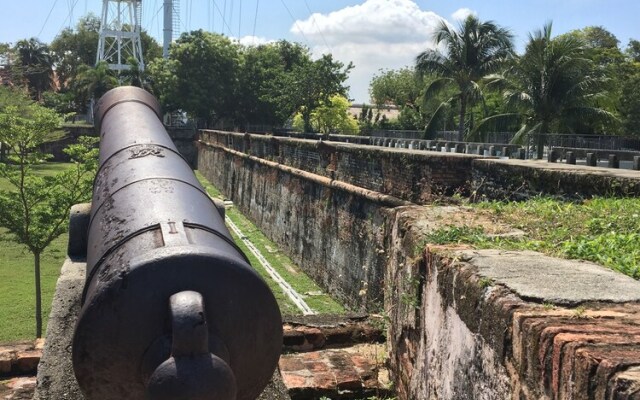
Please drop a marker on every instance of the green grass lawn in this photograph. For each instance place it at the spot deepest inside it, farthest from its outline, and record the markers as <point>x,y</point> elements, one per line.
<point>17,288</point>
<point>311,292</point>
<point>17,293</point>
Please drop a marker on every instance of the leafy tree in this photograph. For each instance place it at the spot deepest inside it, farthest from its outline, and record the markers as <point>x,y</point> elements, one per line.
<point>314,82</point>
<point>35,64</point>
<point>598,37</point>
<point>552,86</point>
<point>61,102</point>
<point>151,49</point>
<point>268,81</point>
<point>630,107</point>
<point>135,76</point>
<point>601,47</point>
<point>263,95</point>
<point>331,117</point>
<point>398,87</point>
<point>474,51</point>
<point>10,97</point>
<point>7,59</point>
<point>164,82</point>
<point>35,212</point>
<point>205,67</point>
<point>405,89</point>
<point>74,48</point>
<point>633,50</point>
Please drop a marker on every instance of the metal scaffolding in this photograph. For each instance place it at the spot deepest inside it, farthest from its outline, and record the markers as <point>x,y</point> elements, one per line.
<point>120,34</point>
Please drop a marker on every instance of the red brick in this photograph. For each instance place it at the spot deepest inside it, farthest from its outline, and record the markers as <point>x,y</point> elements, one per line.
<point>326,381</point>
<point>313,355</point>
<point>290,363</point>
<point>361,363</point>
<point>315,337</point>
<point>317,366</point>
<point>348,380</point>
<point>5,364</point>
<point>293,381</point>
<point>27,361</point>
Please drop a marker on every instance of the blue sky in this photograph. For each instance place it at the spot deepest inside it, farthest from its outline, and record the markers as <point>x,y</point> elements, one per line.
<point>374,34</point>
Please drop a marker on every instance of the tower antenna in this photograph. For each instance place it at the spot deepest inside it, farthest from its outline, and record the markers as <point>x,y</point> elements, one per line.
<point>120,34</point>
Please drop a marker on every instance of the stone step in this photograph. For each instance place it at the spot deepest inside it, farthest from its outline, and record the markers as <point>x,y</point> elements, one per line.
<point>314,332</point>
<point>20,358</point>
<point>347,373</point>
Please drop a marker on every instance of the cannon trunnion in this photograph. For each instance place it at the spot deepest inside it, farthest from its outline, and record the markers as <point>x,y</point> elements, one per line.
<point>171,307</point>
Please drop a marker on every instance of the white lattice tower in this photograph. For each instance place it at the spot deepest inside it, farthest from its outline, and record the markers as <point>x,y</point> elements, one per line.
<point>120,34</point>
<point>171,24</point>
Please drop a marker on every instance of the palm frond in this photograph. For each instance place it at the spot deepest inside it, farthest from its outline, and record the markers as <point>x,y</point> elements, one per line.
<point>493,123</point>
<point>437,119</point>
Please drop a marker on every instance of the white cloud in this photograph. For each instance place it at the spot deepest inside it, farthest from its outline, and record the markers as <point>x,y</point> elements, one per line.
<point>253,40</point>
<point>462,14</point>
<point>374,35</point>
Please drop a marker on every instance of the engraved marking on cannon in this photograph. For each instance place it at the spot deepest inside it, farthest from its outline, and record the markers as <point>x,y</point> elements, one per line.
<point>139,152</point>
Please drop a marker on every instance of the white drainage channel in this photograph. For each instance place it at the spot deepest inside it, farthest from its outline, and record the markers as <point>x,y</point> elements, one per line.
<point>284,285</point>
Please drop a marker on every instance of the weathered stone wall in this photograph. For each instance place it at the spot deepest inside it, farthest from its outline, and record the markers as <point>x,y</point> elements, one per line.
<point>334,235</point>
<point>184,139</point>
<point>520,325</point>
<point>489,324</point>
<point>409,175</point>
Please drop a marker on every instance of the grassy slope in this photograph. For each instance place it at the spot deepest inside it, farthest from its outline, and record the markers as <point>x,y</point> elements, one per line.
<point>17,297</point>
<point>313,295</point>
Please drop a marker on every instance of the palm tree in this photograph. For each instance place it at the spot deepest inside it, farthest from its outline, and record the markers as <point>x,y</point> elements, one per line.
<point>36,64</point>
<point>93,82</point>
<point>552,86</point>
<point>474,51</point>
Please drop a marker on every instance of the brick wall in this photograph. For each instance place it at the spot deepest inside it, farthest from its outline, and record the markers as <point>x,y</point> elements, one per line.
<point>519,180</point>
<point>409,175</point>
<point>454,332</point>
<point>334,235</point>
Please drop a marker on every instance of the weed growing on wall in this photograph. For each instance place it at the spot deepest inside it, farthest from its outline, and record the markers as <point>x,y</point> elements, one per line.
<point>603,230</point>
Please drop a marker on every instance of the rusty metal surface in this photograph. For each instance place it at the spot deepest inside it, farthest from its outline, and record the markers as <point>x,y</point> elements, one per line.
<point>155,233</point>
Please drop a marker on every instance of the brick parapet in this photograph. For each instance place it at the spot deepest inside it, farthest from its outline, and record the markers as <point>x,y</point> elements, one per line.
<point>520,180</point>
<point>591,351</point>
<point>407,174</point>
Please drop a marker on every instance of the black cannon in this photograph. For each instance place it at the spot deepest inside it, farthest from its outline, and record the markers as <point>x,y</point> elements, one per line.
<point>171,307</point>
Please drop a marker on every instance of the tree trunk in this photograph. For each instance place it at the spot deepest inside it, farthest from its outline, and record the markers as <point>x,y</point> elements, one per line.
<point>306,119</point>
<point>540,141</point>
<point>36,259</point>
<point>463,113</point>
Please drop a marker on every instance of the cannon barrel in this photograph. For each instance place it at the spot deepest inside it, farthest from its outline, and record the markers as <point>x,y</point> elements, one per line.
<point>171,308</point>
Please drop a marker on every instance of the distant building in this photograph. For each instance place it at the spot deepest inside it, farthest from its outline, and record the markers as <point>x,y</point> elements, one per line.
<point>391,112</point>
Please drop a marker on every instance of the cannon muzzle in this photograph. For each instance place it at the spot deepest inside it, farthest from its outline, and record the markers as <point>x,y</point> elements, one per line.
<point>171,307</point>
